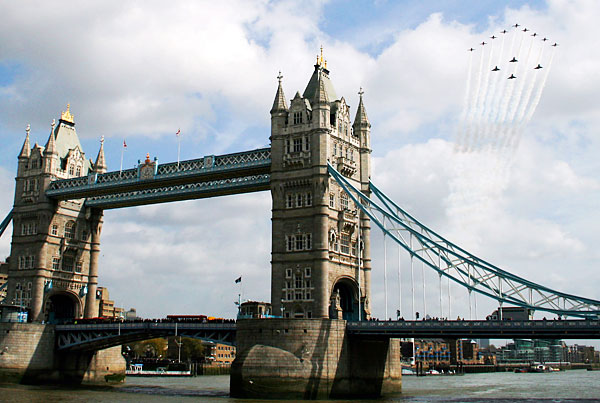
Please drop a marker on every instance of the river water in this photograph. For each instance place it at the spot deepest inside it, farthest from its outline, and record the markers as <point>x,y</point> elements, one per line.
<point>503,387</point>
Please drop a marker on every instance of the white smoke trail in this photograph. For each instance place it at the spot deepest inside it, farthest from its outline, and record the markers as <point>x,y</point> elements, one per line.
<point>481,123</point>
<point>538,95</point>
<point>463,117</point>
<point>473,108</point>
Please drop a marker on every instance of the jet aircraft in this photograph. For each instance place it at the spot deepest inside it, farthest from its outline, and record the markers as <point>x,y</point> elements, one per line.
<point>534,34</point>
<point>470,50</point>
<point>516,25</point>
<point>492,37</point>
<point>525,30</point>
<point>555,44</point>
<point>504,31</point>
<point>496,69</point>
<point>511,77</point>
<point>539,66</point>
<point>513,60</point>
<point>482,43</point>
<point>545,39</point>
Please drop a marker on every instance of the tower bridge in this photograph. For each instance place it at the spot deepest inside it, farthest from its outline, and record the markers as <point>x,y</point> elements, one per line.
<point>318,170</point>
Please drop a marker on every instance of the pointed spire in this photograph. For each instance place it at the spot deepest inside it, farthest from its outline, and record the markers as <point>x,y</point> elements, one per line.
<point>321,93</point>
<point>51,143</point>
<point>100,165</point>
<point>26,149</point>
<point>279,103</point>
<point>361,119</point>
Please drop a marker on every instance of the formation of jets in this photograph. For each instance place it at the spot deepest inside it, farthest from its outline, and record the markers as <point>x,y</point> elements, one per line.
<point>514,59</point>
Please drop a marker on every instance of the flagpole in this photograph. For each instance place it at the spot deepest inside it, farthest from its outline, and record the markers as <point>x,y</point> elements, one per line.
<point>178,146</point>
<point>122,152</point>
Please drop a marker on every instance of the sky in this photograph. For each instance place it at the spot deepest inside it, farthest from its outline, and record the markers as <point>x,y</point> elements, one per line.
<point>140,71</point>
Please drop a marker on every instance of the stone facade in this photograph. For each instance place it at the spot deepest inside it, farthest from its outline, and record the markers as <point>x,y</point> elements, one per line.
<point>53,265</point>
<point>320,240</point>
<point>28,355</point>
<point>311,359</point>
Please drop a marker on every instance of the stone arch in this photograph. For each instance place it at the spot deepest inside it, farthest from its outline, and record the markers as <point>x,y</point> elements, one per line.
<point>62,306</point>
<point>344,299</point>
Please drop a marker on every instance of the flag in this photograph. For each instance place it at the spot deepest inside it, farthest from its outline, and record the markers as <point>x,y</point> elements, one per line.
<point>238,280</point>
<point>178,132</point>
<point>124,144</point>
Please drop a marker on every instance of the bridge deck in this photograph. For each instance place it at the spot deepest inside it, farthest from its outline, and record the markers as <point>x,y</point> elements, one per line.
<point>243,172</point>
<point>533,329</point>
<point>99,336</point>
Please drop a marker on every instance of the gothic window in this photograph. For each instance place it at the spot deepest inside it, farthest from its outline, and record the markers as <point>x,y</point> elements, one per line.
<point>297,145</point>
<point>309,199</point>
<point>331,200</point>
<point>78,266</point>
<point>29,262</point>
<point>308,241</point>
<point>70,230</point>
<point>297,118</point>
<point>71,169</point>
<point>309,313</point>
<point>299,202</point>
<point>334,149</point>
<point>307,294</point>
<point>306,143</point>
<point>353,248</point>
<point>290,201</point>
<point>298,295</point>
<point>55,263</point>
<point>290,243</point>
<point>307,272</point>
<point>298,281</point>
<point>307,284</point>
<point>78,172</point>
<point>54,230</point>
<point>84,235</point>
<point>287,146</point>
<point>344,200</point>
<point>345,243</point>
<point>288,273</point>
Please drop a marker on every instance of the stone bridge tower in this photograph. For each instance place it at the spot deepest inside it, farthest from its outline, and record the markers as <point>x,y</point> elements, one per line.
<point>53,265</point>
<point>321,259</point>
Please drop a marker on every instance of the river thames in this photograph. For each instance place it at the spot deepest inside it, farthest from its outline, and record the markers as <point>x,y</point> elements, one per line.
<point>501,387</point>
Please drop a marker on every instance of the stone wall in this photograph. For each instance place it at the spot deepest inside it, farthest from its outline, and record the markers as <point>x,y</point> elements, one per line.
<point>311,359</point>
<point>28,355</point>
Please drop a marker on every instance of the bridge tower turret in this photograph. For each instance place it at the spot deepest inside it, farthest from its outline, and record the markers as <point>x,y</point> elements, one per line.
<point>53,243</point>
<point>316,268</point>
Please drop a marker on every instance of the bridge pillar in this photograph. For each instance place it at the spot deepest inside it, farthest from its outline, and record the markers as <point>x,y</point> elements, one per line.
<point>311,359</point>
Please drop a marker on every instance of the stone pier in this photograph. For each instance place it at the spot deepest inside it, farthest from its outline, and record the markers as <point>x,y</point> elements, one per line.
<point>28,355</point>
<point>311,359</point>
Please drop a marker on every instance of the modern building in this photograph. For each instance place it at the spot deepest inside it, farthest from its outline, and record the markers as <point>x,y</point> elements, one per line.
<point>321,264</point>
<point>220,353</point>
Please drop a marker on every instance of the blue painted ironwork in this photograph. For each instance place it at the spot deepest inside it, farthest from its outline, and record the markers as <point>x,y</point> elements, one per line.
<point>528,329</point>
<point>197,190</point>
<point>208,169</point>
<point>5,222</point>
<point>92,337</point>
<point>457,264</point>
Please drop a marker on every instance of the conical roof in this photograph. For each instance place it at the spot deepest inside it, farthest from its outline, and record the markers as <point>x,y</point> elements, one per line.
<point>100,164</point>
<point>321,95</point>
<point>320,74</point>
<point>51,143</point>
<point>26,149</point>
<point>361,118</point>
<point>279,104</point>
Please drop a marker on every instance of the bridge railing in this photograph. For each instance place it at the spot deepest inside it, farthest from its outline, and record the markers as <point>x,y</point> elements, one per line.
<point>208,164</point>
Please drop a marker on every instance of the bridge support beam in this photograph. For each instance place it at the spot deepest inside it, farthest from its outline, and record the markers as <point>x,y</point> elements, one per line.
<point>311,359</point>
